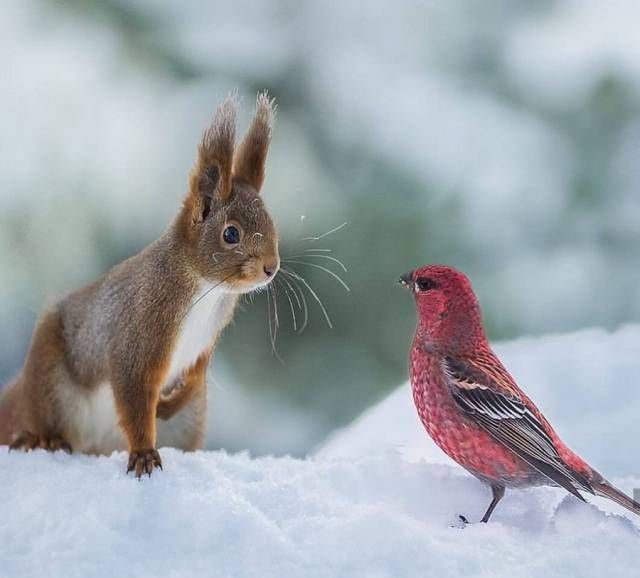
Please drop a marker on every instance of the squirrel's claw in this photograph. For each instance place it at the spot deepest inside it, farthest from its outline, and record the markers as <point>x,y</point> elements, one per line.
<point>27,441</point>
<point>143,462</point>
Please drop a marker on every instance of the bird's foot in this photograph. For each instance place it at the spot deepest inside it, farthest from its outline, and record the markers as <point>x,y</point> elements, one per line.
<point>460,522</point>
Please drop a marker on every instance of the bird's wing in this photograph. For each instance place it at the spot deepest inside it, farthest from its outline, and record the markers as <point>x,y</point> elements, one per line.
<point>505,416</point>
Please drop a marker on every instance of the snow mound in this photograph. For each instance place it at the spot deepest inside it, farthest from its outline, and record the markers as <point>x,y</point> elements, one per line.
<point>374,502</point>
<point>214,514</point>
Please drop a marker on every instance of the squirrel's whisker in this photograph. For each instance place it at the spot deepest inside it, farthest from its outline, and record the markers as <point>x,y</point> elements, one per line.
<point>224,280</point>
<point>327,257</point>
<point>327,271</point>
<point>334,230</point>
<point>295,295</point>
<point>302,300</point>
<point>314,295</point>
<point>217,385</point>
<point>275,305</point>
<point>269,320</point>
<point>293,313</point>
<point>273,331</point>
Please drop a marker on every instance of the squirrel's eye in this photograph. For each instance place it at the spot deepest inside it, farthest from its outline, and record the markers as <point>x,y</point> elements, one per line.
<point>425,284</point>
<point>231,235</point>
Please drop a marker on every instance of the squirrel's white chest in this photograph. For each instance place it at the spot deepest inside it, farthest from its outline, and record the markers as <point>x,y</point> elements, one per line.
<point>206,317</point>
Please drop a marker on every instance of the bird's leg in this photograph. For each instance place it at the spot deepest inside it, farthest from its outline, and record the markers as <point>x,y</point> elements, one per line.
<point>498,493</point>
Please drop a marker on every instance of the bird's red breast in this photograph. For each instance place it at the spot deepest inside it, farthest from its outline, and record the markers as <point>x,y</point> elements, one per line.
<point>460,438</point>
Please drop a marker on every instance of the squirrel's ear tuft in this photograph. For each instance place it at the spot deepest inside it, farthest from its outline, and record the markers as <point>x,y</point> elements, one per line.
<point>251,156</point>
<point>211,175</point>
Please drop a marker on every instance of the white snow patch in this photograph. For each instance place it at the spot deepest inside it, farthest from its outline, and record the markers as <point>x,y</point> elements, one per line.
<point>213,514</point>
<point>369,504</point>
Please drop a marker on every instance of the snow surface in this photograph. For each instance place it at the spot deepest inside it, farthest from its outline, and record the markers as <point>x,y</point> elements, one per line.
<point>378,500</point>
<point>212,514</point>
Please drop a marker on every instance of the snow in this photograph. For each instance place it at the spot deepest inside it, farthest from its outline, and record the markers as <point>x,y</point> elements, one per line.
<point>377,500</point>
<point>213,514</point>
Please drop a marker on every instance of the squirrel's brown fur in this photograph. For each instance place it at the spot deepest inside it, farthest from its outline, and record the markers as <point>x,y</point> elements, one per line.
<point>136,343</point>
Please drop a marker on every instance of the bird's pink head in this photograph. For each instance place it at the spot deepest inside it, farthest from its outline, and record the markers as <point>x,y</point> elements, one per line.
<point>449,318</point>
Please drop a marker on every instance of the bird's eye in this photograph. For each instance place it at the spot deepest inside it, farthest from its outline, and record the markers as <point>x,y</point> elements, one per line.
<point>426,284</point>
<point>231,235</point>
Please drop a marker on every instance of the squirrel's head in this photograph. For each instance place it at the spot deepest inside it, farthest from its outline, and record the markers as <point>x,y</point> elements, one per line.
<point>229,233</point>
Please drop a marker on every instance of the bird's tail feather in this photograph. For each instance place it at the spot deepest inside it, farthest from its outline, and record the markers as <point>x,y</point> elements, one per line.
<point>607,490</point>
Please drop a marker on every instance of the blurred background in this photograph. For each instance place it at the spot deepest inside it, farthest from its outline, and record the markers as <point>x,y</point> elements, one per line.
<point>502,138</point>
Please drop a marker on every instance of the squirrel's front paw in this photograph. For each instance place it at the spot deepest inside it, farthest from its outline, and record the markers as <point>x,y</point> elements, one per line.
<point>143,462</point>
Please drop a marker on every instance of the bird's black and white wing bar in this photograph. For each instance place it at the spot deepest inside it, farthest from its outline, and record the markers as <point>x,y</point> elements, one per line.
<point>510,422</point>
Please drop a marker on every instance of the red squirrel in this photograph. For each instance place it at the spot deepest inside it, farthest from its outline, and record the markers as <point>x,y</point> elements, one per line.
<point>120,364</point>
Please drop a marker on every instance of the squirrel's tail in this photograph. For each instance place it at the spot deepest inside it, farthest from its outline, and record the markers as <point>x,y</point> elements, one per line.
<point>9,412</point>
<point>607,490</point>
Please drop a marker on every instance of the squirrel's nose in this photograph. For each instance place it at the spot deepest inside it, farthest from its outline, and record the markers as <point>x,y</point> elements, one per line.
<point>270,268</point>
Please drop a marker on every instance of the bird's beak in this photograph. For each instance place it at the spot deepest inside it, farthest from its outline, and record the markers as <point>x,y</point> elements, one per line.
<point>405,280</point>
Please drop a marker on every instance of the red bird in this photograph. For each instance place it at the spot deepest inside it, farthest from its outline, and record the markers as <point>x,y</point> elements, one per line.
<point>473,409</point>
